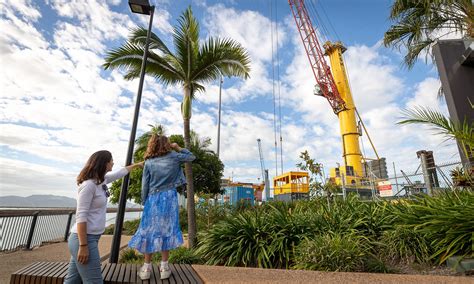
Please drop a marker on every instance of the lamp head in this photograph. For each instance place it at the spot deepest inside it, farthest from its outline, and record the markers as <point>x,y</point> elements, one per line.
<point>140,6</point>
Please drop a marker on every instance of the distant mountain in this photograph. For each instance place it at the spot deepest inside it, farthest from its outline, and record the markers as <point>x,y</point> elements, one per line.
<point>44,201</point>
<point>37,201</point>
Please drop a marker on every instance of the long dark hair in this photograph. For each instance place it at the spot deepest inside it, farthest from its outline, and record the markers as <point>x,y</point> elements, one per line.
<point>95,168</point>
<point>158,145</point>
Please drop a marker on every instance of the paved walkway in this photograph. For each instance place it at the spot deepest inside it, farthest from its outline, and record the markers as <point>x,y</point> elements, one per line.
<point>11,262</point>
<point>233,275</point>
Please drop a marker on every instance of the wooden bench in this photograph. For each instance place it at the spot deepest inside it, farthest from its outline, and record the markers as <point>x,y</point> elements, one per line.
<point>55,272</point>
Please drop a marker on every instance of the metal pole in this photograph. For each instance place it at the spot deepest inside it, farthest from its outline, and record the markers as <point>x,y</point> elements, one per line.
<point>32,230</point>
<point>219,118</point>
<point>114,251</point>
<point>395,173</point>
<point>68,226</point>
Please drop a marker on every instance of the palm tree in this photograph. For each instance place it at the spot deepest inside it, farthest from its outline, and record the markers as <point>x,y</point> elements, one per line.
<point>191,65</point>
<point>462,132</point>
<point>420,23</point>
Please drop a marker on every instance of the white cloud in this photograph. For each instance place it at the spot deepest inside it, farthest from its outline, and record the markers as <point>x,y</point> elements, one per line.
<point>25,179</point>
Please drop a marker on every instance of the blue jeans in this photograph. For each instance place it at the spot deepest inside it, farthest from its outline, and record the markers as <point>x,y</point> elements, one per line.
<point>91,271</point>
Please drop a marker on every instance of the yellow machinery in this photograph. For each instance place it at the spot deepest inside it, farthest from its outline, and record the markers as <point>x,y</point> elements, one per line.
<point>291,183</point>
<point>352,169</point>
<point>332,84</point>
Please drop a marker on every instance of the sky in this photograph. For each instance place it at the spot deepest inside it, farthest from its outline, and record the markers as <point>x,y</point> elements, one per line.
<point>58,105</point>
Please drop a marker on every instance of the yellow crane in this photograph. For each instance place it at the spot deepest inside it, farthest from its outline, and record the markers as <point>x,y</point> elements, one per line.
<point>334,86</point>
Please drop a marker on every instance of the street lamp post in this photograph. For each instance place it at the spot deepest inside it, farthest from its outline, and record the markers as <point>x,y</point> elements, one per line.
<point>219,119</point>
<point>139,7</point>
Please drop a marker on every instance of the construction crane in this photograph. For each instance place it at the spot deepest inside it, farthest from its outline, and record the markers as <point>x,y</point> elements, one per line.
<point>334,86</point>
<point>265,180</point>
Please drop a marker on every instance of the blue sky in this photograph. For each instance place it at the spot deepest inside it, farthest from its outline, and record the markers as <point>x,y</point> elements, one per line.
<point>58,105</point>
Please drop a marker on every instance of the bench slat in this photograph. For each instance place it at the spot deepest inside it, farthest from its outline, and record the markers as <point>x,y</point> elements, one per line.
<point>55,272</point>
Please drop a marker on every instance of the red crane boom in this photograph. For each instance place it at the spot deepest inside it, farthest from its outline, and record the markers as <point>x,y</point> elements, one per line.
<point>321,70</point>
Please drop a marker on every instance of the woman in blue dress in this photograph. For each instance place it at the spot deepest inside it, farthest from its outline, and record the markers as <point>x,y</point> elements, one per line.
<point>159,228</point>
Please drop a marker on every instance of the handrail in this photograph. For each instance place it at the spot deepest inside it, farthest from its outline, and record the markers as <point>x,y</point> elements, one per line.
<point>52,211</point>
<point>28,227</point>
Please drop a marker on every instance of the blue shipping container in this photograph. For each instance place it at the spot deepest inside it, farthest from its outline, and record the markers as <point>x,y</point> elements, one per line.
<point>233,194</point>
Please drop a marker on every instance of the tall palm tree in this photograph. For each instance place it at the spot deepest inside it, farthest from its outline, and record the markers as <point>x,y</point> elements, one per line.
<point>420,23</point>
<point>192,64</point>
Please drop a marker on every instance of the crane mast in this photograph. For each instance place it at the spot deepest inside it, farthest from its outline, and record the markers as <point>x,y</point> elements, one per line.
<point>265,179</point>
<point>320,69</point>
<point>336,90</point>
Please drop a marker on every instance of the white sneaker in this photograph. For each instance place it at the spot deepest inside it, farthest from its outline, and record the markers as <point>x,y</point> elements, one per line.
<point>144,273</point>
<point>165,273</point>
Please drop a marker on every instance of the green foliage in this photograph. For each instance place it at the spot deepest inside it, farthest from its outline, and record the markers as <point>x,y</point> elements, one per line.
<point>178,255</point>
<point>418,24</point>
<point>333,252</point>
<point>242,240</point>
<point>447,220</point>
<point>405,244</point>
<point>185,256</point>
<point>129,228</point>
<point>462,178</point>
<point>316,179</point>
<point>461,132</point>
<point>207,170</point>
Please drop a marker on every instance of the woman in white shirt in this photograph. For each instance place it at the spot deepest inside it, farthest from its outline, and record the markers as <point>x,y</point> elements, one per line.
<point>90,217</point>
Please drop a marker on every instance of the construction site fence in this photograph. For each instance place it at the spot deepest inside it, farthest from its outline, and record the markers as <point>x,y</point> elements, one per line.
<point>442,173</point>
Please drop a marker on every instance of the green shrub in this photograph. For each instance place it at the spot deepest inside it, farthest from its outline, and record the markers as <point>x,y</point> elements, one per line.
<point>243,240</point>
<point>447,220</point>
<point>129,255</point>
<point>405,244</point>
<point>129,228</point>
<point>179,255</point>
<point>261,237</point>
<point>333,252</point>
<point>184,255</point>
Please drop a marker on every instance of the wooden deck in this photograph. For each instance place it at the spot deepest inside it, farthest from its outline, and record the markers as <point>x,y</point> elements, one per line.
<point>54,272</point>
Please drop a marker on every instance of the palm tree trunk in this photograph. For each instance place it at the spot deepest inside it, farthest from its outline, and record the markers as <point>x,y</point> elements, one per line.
<point>188,170</point>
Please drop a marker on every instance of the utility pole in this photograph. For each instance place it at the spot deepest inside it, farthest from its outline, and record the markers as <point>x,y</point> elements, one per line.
<point>219,117</point>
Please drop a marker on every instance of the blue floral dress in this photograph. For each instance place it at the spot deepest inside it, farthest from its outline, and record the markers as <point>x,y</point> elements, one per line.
<point>159,228</point>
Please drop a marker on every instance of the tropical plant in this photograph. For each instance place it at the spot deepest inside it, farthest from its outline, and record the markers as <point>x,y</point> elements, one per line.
<point>420,23</point>
<point>207,170</point>
<point>240,240</point>
<point>463,178</point>
<point>447,221</point>
<point>461,132</point>
<point>405,244</point>
<point>192,64</point>
<point>333,252</point>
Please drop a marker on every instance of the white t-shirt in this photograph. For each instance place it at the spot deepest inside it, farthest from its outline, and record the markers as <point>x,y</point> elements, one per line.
<point>92,203</point>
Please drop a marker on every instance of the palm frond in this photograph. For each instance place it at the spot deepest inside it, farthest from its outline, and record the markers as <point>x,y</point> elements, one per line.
<point>463,132</point>
<point>418,22</point>
<point>138,36</point>
<point>186,41</point>
<point>129,58</point>
<point>221,56</point>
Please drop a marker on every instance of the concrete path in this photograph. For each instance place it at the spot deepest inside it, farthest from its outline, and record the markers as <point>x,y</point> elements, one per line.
<point>11,262</point>
<point>233,275</point>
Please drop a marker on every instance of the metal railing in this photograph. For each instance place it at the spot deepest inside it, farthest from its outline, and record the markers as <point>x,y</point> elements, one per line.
<point>27,228</point>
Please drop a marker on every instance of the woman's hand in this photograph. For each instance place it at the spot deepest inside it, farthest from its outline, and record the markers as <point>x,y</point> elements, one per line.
<point>83,254</point>
<point>136,165</point>
<point>175,147</point>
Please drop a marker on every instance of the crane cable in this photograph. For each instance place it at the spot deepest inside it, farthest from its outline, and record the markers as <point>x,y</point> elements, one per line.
<point>273,90</point>
<point>279,84</point>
